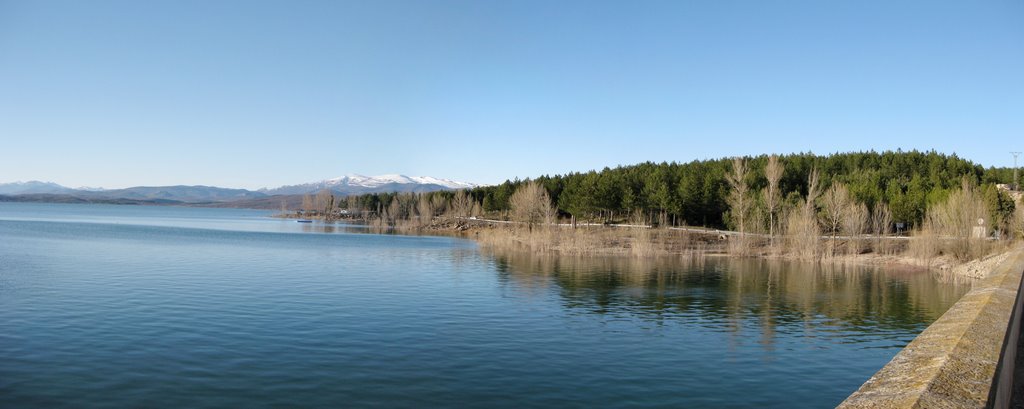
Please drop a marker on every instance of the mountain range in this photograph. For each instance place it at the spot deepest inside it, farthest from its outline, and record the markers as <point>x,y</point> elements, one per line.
<point>359,184</point>
<point>344,185</point>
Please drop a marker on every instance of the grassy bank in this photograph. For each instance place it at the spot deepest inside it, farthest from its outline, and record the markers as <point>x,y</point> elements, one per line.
<point>917,252</point>
<point>644,241</point>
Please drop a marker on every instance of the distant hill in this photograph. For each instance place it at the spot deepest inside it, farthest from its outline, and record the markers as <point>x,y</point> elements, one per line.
<point>275,202</point>
<point>36,191</point>
<point>191,194</point>
<point>33,187</point>
<point>62,198</point>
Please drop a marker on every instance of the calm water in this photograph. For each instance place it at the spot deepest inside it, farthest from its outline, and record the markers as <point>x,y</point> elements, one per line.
<point>124,306</point>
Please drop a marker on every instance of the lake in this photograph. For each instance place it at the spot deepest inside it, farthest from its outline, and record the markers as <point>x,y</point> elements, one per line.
<point>137,306</point>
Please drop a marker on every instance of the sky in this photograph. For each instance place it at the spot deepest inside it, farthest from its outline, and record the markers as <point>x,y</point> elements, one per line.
<point>252,94</point>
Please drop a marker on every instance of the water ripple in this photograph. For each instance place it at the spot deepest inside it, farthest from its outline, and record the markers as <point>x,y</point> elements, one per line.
<point>161,312</point>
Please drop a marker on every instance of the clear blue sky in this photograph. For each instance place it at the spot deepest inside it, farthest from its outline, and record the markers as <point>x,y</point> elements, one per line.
<point>250,94</point>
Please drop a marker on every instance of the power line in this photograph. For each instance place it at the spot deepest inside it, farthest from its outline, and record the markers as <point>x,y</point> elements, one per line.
<point>1015,185</point>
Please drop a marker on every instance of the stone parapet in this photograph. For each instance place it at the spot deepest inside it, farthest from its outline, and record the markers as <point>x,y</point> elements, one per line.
<point>955,362</point>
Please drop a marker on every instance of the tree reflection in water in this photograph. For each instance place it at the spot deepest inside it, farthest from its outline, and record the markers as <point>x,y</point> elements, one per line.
<point>849,303</point>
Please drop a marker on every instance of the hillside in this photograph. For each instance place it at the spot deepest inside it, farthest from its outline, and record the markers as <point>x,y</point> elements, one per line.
<point>695,193</point>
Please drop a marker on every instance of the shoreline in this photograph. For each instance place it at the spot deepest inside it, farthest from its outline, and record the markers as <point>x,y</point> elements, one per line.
<point>645,242</point>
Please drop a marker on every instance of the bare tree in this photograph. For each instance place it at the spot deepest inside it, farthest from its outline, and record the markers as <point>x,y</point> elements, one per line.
<point>402,208</point>
<point>834,204</point>
<point>531,204</point>
<point>477,210</point>
<point>803,234</point>
<point>425,209</point>
<point>738,199</point>
<point>772,197</point>
<point>324,202</point>
<point>393,213</point>
<point>881,223</point>
<point>739,202</point>
<point>307,203</point>
<point>463,205</point>
<point>460,205</point>
<point>439,203</point>
<point>955,220</point>
<point>813,188</point>
<point>354,207</point>
<point>855,219</point>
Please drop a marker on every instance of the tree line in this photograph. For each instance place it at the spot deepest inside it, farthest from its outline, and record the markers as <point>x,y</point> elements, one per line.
<point>704,192</point>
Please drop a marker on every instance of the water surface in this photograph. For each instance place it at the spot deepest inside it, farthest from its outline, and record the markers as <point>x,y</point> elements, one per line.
<point>128,306</point>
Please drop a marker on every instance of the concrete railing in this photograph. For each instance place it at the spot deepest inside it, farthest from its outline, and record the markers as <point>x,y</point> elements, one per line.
<point>963,360</point>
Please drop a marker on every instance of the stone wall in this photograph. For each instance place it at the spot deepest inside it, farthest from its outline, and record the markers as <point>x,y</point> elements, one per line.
<point>954,363</point>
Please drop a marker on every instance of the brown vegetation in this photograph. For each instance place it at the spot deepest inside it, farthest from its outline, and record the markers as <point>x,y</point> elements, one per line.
<point>881,226</point>
<point>834,202</point>
<point>855,220</point>
<point>635,240</point>
<point>531,204</point>
<point>955,227</point>
<point>802,232</point>
<point>739,205</point>
<point>772,197</point>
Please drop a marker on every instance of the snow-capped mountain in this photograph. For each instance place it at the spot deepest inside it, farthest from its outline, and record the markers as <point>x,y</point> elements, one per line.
<point>358,184</point>
<point>374,181</point>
